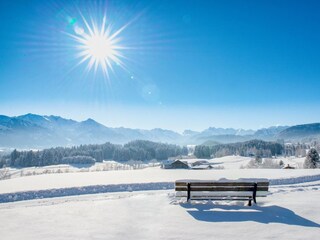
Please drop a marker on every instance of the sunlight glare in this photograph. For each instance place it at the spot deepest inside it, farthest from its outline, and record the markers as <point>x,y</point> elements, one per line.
<point>99,47</point>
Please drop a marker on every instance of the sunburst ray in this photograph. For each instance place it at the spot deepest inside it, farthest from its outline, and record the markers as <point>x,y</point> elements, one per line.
<point>99,46</point>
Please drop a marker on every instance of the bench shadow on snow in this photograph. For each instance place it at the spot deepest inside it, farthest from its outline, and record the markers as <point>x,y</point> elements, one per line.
<point>235,213</point>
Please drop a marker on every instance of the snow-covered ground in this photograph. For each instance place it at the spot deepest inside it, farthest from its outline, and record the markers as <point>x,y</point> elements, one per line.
<point>131,204</point>
<point>236,162</point>
<point>289,214</point>
<point>228,162</point>
<point>148,175</point>
<point>65,168</point>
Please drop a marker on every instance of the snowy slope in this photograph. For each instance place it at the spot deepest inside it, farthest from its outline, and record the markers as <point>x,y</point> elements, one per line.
<point>237,162</point>
<point>155,215</point>
<point>63,206</point>
<point>64,180</point>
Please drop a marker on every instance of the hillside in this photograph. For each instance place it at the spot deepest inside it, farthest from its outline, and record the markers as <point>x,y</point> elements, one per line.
<point>299,132</point>
<point>35,131</point>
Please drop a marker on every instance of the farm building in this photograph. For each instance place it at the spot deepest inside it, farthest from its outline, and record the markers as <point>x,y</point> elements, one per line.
<point>200,162</point>
<point>177,164</point>
<point>202,167</point>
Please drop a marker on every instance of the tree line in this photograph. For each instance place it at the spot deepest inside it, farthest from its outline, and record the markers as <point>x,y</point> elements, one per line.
<point>89,154</point>
<point>250,148</point>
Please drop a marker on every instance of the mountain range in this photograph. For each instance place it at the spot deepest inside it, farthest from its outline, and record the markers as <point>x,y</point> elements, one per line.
<point>36,131</point>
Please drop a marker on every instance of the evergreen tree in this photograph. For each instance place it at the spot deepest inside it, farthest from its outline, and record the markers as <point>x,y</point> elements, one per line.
<point>258,159</point>
<point>13,156</point>
<point>281,163</point>
<point>312,159</point>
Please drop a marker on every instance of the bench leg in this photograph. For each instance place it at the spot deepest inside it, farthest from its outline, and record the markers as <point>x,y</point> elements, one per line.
<point>255,193</point>
<point>189,190</point>
<point>249,203</point>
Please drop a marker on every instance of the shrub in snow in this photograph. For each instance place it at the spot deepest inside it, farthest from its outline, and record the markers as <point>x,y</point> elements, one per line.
<point>266,163</point>
<point>252,164</point>
<point>312,159</point>
<point>258,159</point>
<point>4,173</point>
<point>269,163</point>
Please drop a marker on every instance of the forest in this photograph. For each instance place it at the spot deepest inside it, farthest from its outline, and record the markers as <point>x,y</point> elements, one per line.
<point>250,148</point>
<point>89,154</point>
<point>141,150</point>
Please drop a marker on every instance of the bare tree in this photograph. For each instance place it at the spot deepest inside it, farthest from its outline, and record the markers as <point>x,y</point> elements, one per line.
<point>4,173</point>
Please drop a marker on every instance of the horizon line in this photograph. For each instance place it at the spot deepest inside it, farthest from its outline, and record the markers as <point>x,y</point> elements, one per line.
<point>154,128</point>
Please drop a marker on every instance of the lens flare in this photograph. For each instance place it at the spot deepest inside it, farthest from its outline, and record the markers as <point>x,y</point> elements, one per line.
<point>99,47</point>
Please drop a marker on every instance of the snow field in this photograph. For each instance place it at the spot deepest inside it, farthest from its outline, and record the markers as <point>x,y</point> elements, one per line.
<point>237,162</point>
<point>154,215</point>
<point>147,175</point>
<point>59,185</point>
<point>124,205</point>
<point>65,168</point>
<point>227,162</point>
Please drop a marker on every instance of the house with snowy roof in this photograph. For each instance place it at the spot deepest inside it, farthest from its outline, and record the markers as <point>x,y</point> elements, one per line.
<point>176,164</point>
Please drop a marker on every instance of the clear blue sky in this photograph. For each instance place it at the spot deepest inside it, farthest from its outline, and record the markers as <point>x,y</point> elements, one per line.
<point>190,64</point>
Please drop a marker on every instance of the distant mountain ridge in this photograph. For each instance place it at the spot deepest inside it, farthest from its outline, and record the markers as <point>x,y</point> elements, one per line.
<point>37,131</point>
<point>301,131</point>
<point>227,131</point>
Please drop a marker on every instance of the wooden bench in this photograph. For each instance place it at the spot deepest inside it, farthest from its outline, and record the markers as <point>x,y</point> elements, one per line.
<point>242,189</point>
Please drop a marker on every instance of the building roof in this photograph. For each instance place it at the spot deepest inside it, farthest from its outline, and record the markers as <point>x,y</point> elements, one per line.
<point>203,166</point>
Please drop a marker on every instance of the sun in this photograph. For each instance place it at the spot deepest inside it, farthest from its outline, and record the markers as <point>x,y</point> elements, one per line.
<point>99,47</point>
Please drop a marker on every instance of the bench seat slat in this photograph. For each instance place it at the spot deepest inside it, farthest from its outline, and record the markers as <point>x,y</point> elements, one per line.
<point>220,199</point>
<point>222,196</point>
<point>259,194</point>
<point>220,189</point>
<point>222,184</point>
